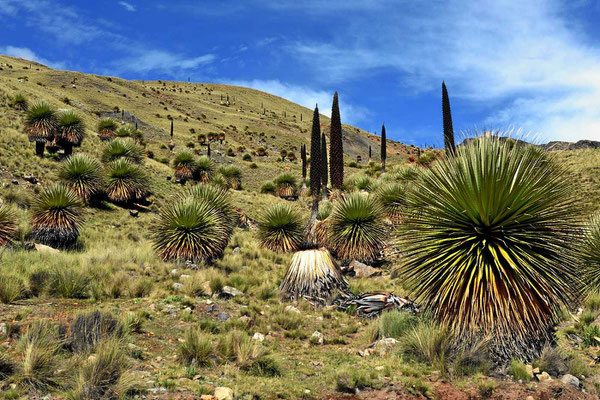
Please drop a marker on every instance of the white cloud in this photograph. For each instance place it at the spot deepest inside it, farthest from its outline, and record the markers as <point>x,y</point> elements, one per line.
<point>161,61</point>
<point>522,63</point>
<point>28,54</point>
<point>127,6</point>
<point>306,97</point>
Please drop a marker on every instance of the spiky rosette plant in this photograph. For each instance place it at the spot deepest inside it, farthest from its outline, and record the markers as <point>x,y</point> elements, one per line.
<point>489,241</point>
<point>219,198</point>
<point>285,185</point>
<point>41,125</point>
<point>591,252</point>
<point>107,128</point>
<point>314,275</point>
<point>123,148</point>
<point>19,102</point>
<point>8,225</point>
<point>126,182</point>
<point>392,197</point>
<point>56,216</point>
<point>190,229</point>
<point>205,169</point>
<point>82,174</point>
<point>233,177</point>
<point>185,165</point>
<point>356,229</point>
<point>125,131</point>
<point>281,228</point>
<point>71,130</point>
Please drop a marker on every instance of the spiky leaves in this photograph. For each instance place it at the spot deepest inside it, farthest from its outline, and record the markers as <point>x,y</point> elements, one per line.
<point>392,197</point>
<point>123,148</point>
<point>233,177</point>
<point>489,239</point>
<point>220,199</point>
<point>8,225</point>
<point>336,147</point>
<point>190,229</point>
<point>285,185</point>
<point>83,174</point>
<point>107,128</point>
<point>41,125</point>
<point>71,129</point>
<point>280,228</point>
<point>383,148</point>
<point>185,165</point>
<point>19,102</point>
<point>447,117</point>
<point>126,182</point>
<point>56,216</point>
<point>314,275</point>
<point>205,169</point>
<point>356,229</point>
<point>591,252</point>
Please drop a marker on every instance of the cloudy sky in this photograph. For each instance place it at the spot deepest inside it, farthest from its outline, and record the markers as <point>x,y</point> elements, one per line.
<point>531,64</point>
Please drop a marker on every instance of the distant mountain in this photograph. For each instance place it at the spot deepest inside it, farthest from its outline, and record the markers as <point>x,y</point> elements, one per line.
<point>581,144</point>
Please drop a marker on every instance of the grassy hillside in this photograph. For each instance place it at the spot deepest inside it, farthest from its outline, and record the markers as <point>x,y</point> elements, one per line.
<point>299,351</point>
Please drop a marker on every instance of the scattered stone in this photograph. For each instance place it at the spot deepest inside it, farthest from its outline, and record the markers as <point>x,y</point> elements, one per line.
<point>187,310</point>
<point>183,277</point>
<point>543,377</point>
<point>3,329</point>
<point>363,270</point>
<point>536,370</point>
<point>42,248</point>
<point>529,370</point>
<point>177,286</point>
<point>316,337</point>
<point>258,337</point>
<point>30,178</point>
<point>245,319</point>
<point>222,316</point>
<point>229,292</point>
<point>206,288</point>
<point>290,308</point>
<point>134,213</point>
<point>237,250</point>
<point>191,265</point>
<point>173,271</point>
<point>569,379</point>
<point>223,393</point>
<point>14,182</point>
<point>529,398</point>
<point>384,346</point>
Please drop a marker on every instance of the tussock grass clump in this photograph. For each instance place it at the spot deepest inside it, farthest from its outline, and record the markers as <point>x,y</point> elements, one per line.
<point>56,216</point>
<point>69,283</point>
<point>268,188</point>
<point>493,210</point>
<point>126,182</point>
<point>89,328</point>
<point>280,228</point>
<point>349,379</point>
<point>184,165</point>
<point>82,174</point>
<point>190,229</point>
<point>12,288</point>
<point>40,348</point>
<point>393,324</point>
<point>286,185</point>
<point>19,102</point>
<point>238,347</point>
<point>196,349</point>
<point>7,365</point>
<point>429,343</point>
<point>205,169</point>
<point>518,371</point>
<point>107,128</point>
<point>232,176</point>
<point>103,375</point>
<point>265,366</point>
<point>8,225</point>
<point>123,148</point>
<point>356,229</point>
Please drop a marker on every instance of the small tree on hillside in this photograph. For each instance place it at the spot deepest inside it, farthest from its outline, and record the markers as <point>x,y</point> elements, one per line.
<point>447,117</point>
<point>383,148</point>
<point>336,150</point>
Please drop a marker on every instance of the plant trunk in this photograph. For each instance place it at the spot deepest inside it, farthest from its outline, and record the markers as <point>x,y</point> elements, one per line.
<point>39,149</point>
<point>311,237</point>
<point>68,149</point>
<point>383,166</point>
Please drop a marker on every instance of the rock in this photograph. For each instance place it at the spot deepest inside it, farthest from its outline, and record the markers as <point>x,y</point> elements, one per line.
<point>543,377</point>
<point>207,397</point>
<point>258,337</point>
<point>30,179</point>
<point>173,271</point>
<point>363,270</point>
<point>292,309</point>
<point>3,329</point>
<point>169,178</point>
<point>569,379</point>
<point>191,265</point>
<point>237,250</point>
<point>14,182</point>
<point>183,277</point>
<point>536,371</point>
<point>206,288</point>
<point>223,393</point>
<point>222,316</point>
<point>529,369</point>
<point>229,292</point>
<point>316,337</point>
<point>187,310</point>
<point>177,286</point>
<point>42,248</point>
<point>384,346</point>
<point>134,213</point>
<point>529,398</point>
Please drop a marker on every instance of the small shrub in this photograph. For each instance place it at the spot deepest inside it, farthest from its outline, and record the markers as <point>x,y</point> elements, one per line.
<point>351,379</point>
<point>265,366</point>
<point>518,371</point>
<point>268,188</point>
<point>196,349</point>
<point>11,289</point>
<point>428,342</point>
<point>69,283</point>
<point>88,329</point>
<point>393,324</point>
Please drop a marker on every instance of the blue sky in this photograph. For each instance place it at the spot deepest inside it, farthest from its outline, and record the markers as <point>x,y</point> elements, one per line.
<point>531,64</point>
